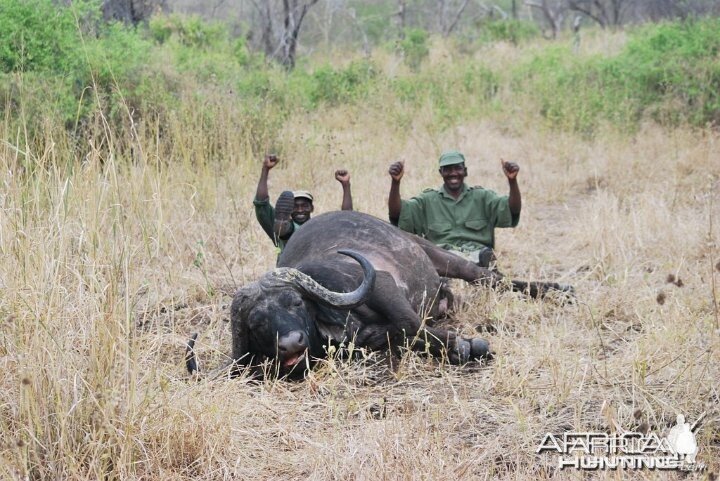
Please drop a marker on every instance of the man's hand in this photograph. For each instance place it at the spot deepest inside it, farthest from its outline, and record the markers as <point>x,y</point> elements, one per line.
<point>342,176</point>
<point>510,169</point>
<point>397,170</point>
<point>270,161</point>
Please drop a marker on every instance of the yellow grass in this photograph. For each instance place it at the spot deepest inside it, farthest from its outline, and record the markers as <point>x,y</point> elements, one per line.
<point>109,265</point>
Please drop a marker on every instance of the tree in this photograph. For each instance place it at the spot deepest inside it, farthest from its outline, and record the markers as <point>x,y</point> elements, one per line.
<point>281,27</point>
<point>605,12</point>
<point>553,12</point>
<point>450,17</point>
<point>132,12</point>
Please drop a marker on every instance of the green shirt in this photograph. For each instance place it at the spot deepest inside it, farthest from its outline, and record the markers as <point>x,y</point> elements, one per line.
<point>265,214</point>
<point>467,223</point>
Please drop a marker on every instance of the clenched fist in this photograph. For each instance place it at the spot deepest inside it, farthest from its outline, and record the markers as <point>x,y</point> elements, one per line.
<point>270,161</point>
<point>510,169</point>
<point>342,176</point>
<point>397,170</point>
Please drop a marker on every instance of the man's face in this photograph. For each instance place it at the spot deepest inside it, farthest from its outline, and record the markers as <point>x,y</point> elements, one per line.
<point>301,211</point>
<point>453,176</point>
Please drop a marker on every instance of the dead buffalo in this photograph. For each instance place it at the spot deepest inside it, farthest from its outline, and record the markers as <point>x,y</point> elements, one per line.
<point>350,277</point>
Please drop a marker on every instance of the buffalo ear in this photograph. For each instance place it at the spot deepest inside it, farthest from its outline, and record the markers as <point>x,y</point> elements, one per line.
<point>244,299</point>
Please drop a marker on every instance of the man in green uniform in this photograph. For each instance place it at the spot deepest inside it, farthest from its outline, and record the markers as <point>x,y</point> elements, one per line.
<point>292,209</point>
<point>457,217</point>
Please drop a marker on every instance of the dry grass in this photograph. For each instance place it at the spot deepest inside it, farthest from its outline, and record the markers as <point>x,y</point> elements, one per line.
<point>108,266</point>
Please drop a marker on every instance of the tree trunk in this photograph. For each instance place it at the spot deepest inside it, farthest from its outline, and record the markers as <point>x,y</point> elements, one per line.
<point>132,12</point>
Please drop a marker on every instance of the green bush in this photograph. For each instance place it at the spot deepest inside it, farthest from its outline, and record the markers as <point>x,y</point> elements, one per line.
<point>241,52</point>
<point>414,47</point>
<point>375,19</point>
<point>190,31</point>
<point>37,35</point>
<point>334,86</point>
<point>670,72</point>
<point>408,89</point>
<point>674,64</point>
<point>510,30</point>
<point>62,62</point>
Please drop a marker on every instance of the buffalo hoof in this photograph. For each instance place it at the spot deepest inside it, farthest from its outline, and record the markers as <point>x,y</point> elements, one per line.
<point>468,350</point>
<point>480,348</point>
<point>283,226</point>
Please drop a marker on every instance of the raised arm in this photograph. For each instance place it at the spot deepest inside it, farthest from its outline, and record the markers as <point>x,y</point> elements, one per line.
<point>396,172</point>
<point>343,176</point>
<point>269,162</point>
<point>511,170</point>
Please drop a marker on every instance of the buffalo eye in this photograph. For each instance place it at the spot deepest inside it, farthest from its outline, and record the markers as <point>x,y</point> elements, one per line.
<point>288,299</point>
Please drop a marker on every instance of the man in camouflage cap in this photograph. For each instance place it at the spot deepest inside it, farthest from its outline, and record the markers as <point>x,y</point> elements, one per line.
<point>292,209</point>
<point>455,216</point>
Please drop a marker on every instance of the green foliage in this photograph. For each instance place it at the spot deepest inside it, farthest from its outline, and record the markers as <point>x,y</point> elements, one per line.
<point>668,72</point>
<point>241,52</point>
<point>62,65</point>
<point>375,19</point>
<point>334,86</point>
<point>479,80</point>
<point>190,31</point>
<point>673,65</point>
<point>414,47</point>
<point>117,56</point>
<point>509,30</point>
<point>36,35</point>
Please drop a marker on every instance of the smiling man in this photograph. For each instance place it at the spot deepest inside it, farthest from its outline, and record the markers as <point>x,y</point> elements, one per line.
<point>292,209</point>
<point>457,217</point>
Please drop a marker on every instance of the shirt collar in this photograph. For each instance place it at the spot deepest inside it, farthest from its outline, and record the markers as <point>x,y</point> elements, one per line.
<point>444,193</point>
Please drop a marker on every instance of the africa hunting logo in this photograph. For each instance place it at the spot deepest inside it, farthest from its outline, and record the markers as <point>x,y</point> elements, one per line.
<point>629,450</point>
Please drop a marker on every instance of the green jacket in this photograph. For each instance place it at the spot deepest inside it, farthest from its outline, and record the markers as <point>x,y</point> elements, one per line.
<point>465,224</point>
<point>265,214</point>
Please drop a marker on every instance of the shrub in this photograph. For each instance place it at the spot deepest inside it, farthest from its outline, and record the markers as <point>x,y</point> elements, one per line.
<point>375,19</point>
<point>414,47</point>
<point>510,30</point>
<point>190,31</point>
<point>342,85</point>
<point>36,35</point>
<point>669,72</point>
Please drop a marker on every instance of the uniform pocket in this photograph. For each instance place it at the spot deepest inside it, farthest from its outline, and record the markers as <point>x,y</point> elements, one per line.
<point>439,229</point>
<point>476,224</point>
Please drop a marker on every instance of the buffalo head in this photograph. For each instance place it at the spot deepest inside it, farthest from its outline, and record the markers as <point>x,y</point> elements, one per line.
<point>275,317</point>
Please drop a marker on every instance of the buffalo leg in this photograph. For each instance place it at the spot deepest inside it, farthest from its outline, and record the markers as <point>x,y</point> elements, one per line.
<point>450,265</point>
<point>397,323</point>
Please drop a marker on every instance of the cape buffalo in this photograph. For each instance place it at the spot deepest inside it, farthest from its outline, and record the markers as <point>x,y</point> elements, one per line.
<point>350,277</point>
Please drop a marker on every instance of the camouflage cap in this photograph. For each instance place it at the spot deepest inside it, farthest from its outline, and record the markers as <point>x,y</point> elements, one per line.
<point>451,157</point>
<point>303,194</point>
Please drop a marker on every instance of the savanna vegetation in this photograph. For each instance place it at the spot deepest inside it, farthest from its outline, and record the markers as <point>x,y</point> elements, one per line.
<point>129,157</point>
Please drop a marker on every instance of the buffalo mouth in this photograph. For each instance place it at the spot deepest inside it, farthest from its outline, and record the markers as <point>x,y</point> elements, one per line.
<point>294,359</point>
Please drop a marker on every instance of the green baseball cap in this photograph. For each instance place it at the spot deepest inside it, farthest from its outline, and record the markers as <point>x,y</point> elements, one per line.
<point>451,158</point>
<point>303,194</point>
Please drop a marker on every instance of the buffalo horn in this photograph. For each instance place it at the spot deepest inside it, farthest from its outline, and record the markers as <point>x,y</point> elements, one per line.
<point>340,300</point>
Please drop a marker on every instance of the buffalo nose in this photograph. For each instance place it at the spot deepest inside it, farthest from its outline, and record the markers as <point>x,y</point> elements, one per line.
<point>292,343</point>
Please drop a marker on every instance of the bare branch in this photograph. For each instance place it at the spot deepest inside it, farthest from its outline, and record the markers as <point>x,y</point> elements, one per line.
<point>503,13</point>
<point>458,14</point>
<point>574,5</point>
<point>553,16</point>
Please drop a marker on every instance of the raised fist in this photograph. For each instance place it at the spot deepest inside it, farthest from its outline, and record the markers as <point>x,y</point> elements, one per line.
<point>342,176</point>
<point>270,161</point>
<point>397,170</point>
<point>510,169</point>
